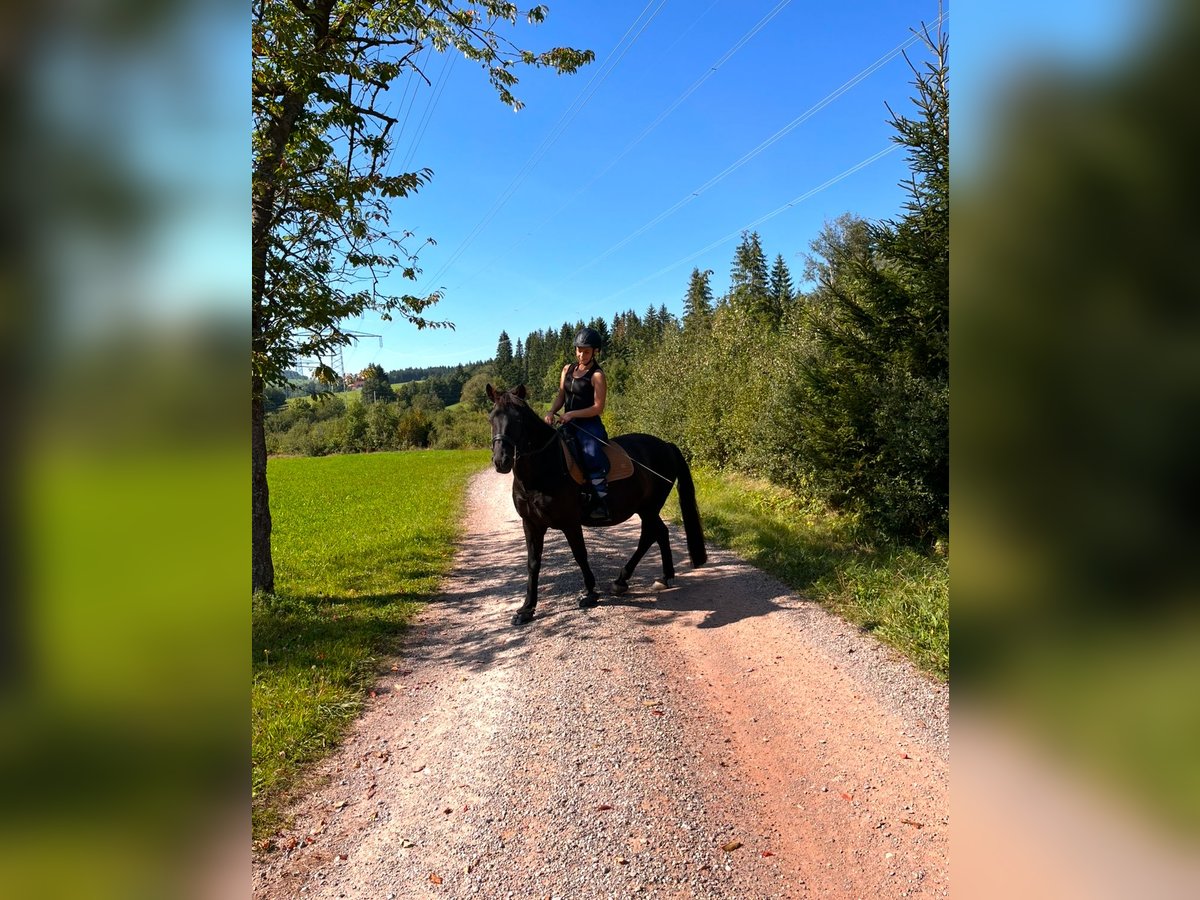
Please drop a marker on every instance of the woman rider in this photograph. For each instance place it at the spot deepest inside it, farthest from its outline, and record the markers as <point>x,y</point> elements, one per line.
<point>583,389</point>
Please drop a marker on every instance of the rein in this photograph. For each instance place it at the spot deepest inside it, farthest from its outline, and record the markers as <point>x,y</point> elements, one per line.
<point>632,458</point>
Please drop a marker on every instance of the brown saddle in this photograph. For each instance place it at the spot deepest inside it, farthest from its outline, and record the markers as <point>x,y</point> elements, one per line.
<point>620,465</point>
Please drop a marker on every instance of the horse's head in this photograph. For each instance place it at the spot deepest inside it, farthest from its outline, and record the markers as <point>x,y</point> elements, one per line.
<point>508,428</point>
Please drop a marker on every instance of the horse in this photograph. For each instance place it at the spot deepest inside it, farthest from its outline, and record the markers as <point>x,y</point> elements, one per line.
<point>546,496</point>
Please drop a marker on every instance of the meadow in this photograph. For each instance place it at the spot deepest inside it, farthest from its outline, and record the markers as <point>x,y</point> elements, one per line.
<point>359,542</point>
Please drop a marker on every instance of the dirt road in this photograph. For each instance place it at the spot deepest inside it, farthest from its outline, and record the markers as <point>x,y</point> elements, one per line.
<point>722,739</point>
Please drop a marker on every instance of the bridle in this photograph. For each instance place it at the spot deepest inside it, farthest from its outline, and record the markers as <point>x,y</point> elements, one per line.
<point>518,453</point>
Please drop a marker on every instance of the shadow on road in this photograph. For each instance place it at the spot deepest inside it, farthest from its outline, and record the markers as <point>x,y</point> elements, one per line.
<point>487,586</point>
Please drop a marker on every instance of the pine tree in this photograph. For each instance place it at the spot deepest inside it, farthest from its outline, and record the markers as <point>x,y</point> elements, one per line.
<point>518,363</point>
<point>502,365</point>
<point>780,288</point>
<point>698,302</point>
<point>600,326</point>
<point>749,282</point>
<point>871,413</point>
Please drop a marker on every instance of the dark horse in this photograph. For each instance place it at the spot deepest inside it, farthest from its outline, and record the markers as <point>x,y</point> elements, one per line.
<point>546,496</point>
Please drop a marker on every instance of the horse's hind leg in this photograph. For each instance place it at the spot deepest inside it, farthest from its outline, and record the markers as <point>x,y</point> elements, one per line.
<point>574,537</point>
<point>664,547</point>
<point>535,537</point>
<point>653,529</point>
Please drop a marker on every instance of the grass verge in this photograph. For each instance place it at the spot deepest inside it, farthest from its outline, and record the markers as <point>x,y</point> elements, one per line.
<point>358,542</point>
<point>899,594</point>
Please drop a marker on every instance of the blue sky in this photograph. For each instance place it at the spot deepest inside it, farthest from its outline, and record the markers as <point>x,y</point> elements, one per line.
<point>563,211</point>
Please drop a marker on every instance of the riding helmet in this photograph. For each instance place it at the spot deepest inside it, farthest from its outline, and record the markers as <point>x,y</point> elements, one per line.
<point>588,337</point>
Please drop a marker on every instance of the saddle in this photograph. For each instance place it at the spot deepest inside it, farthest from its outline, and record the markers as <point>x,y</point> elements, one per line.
<point>619,463</point>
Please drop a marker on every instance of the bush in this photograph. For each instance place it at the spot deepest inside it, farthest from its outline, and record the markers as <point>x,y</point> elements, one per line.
<point>354,436</point>
<point>381,422</point>
<point>461,429</point>
<point>413,429</point>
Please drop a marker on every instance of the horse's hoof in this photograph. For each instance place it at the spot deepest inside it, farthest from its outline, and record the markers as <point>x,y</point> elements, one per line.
<point>620,587</point>
<point>522,618</point>
<point>588,600</point>
<point>661,584</point>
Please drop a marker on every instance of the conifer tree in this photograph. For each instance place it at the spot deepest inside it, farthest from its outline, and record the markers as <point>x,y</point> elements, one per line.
<point>698,302</point>
<point>780,287</point>
<point>871,412</point>
<point>503,364</point>
<point>749,282</point>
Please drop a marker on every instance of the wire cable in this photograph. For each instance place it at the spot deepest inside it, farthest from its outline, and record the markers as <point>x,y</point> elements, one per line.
<point>552,136</point>
<point>747,157</point>
<point>709,72</point>
<point>749,225</point>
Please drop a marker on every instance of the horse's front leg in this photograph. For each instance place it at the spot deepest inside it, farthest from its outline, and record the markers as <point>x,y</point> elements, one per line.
<point>535,538</point>
<point>574,536</point>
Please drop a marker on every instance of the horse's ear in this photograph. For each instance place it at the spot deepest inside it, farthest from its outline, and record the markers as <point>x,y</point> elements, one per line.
<point>520,391</point>
<point>491,392</point>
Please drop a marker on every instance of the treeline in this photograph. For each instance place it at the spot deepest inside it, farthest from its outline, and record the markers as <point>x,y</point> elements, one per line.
<point>327,424</point>
<point>538,358</point>
<point>385,414</point>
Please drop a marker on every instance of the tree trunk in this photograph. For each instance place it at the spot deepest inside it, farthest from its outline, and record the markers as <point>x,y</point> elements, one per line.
<point>262,569</point>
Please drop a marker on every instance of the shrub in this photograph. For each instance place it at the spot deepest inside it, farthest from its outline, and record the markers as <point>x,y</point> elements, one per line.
<point>461,429</point>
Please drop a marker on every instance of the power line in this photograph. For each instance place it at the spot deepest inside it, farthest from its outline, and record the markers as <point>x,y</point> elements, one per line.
<point>427,115</point>
<point>554,134</point>
<point>749,225</point>
<point>709,72</point>
<point>734,166</point>
<point>414,80</point>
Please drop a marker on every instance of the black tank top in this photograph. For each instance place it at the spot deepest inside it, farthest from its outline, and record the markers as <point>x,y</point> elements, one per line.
<point>581,393</point>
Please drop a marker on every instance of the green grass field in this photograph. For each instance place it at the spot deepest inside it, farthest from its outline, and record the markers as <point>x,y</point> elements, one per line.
<point>358,542</point>
<point>900,595</point>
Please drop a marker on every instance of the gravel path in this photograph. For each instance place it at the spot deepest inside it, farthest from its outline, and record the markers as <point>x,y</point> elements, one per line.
<point>725,738</point>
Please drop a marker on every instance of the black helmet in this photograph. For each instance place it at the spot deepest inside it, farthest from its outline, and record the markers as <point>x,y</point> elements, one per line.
<point>588,337</point>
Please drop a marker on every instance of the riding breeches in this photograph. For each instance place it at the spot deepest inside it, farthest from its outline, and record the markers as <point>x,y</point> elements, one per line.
<point>588,434</point>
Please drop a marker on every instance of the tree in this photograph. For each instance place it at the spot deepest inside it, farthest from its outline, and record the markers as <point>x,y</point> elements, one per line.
<point>321,241</point>
<point>275,397</point>
<point>375,387</point>
<point>748,278</point>
<point>779,287</point>
<point>504,359</point>
<point>474,392</point>
<point>518,372</point>
<point>698,302</point>
<point>871,409</point>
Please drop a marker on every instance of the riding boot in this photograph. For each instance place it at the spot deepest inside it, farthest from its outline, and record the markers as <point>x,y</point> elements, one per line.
<point>599,509</point>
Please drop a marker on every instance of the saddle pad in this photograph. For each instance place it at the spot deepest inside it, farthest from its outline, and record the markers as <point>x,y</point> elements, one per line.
<point>619,463</point>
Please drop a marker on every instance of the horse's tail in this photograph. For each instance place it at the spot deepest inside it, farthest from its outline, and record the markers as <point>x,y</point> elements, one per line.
<point>691,514</point>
